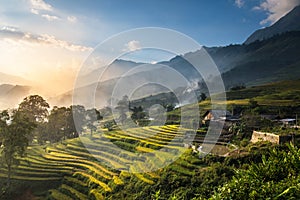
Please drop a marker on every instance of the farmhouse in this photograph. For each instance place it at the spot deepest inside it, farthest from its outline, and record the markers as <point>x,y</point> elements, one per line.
<point>216,115</point>
<point>219,115</point>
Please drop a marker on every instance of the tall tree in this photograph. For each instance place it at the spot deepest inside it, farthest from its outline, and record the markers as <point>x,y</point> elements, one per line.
<point>4,117</point>
<point>77,119</point>
<point>35,107</point>
<point>63,123</point>
<point>57,127</point>
<point>137,113</point>
<point>203,96</point>
<point>14,130</point>
<point>123,107</point>
<point>92,115</point>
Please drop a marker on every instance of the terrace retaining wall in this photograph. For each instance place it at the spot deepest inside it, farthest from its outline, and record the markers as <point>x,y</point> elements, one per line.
<point>277,139</point>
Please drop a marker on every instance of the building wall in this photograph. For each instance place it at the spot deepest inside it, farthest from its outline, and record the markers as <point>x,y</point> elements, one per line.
<point>262,136</point>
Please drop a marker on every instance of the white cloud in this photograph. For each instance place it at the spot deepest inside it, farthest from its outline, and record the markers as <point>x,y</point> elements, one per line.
<point>50,17</point>
<point>9,29</point>
<point>16,36</point>
<point>72,19</point>
<point>132,45</point>
<point>239,3</point>
<point>276,9</point>
<point>51,40</point>
<point>34,11</point>
<point>41,5</point>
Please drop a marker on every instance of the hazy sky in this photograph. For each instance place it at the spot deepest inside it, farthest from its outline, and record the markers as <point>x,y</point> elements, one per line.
<point>46,40</point>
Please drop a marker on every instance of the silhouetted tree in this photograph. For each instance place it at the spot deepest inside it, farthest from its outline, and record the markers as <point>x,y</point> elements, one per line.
<point>109,125</point>
<point>14,131</point>
<point>77,120</point>
<point>123,107</point>
<point>57,127</point>
<point>169,107</point>
<point>92,115</point>
<point>137,113</point>
<point>203,96</point>
<point>35,107</point>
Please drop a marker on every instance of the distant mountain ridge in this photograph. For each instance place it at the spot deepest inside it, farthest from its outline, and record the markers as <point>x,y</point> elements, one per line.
<point>112,71</point>
<point>12,95</point>
<point>290,22</point>
<point>13,80</point>
<point>13,89</point>
<point>261,62</point>
<point>269,55</point>
<point>274,59</point>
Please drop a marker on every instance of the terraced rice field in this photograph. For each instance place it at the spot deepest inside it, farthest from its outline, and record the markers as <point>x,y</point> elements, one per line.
<point>91,167</point>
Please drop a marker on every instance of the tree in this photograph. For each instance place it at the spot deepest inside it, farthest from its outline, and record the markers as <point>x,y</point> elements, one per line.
<point>106,111</point>
<point>203,96</point>
<point>57,126</point>
<point>169,107</point>
<point>109,125</point>
<point>253,104</point>
<point>62,123</point>
<point>77,120</point>
<point>14,131</point>
<point>275,177</point>
<point>137,113</point>
<point>4,117</point>
<point>35,107</point>
<point>92,115</point>
<point>122,107</point>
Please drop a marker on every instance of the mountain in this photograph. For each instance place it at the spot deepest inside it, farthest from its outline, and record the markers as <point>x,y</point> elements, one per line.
<point>227,57</point>
<point>266,61</point>
<point>10,79</point>
<point>114,70</point>
<point>133,83</point>
<point>261,62</point>
<point>12,95</point>
<point>269,55</point>
<point>289,22</point>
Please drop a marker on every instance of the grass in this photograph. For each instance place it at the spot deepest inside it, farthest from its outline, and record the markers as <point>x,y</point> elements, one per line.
<point>282,93</point>
<point>75,181</point>
<point>92,179</point>
<point>79,195</point>
<point>141,177</point>
<point>86,166</point>
<point>27,177</point>
<point>96,194</point>
<point>59,196</point>
<point>181,170</point>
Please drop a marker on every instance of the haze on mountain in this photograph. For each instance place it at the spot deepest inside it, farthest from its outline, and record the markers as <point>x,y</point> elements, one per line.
<point>268,55</point>
<point>14,80</point>
<point>12,95</point>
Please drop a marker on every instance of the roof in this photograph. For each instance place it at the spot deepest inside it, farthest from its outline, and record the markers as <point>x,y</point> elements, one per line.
<point>218,113</point>
<point>287,120</point>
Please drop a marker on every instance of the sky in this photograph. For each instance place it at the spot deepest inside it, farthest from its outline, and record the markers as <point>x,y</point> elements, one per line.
<point>46,41</point>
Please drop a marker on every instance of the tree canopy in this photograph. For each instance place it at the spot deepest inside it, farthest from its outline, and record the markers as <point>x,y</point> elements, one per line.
<point>35,107</point>
<point>14,130</point>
